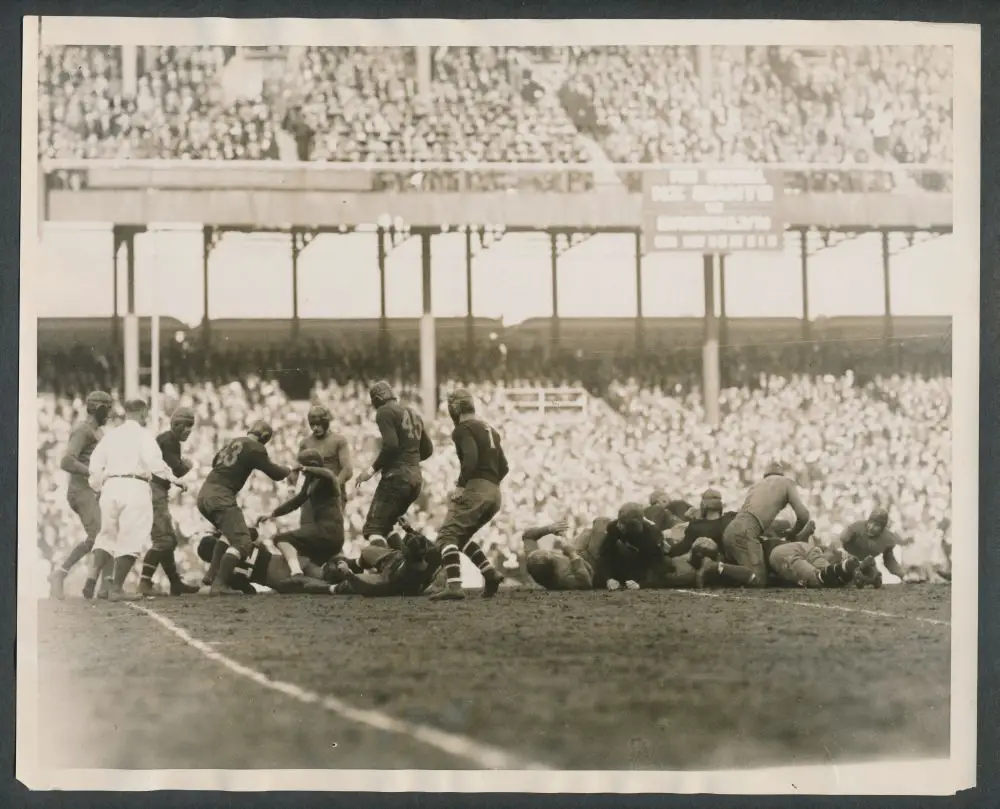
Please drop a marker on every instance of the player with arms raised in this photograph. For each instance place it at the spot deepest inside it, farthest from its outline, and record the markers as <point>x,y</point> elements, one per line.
<point>164,538</point>
<point>405,444</point>
<point>476,499</point>
<point>81,498</point>
<point>231,468</point>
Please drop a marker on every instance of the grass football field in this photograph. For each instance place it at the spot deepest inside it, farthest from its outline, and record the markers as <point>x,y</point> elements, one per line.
<point>644,680</point>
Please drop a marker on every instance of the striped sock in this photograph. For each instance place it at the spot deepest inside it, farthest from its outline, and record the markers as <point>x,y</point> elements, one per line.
<point>451,560</point>
<point>150,562</point>
<point>475,553</point>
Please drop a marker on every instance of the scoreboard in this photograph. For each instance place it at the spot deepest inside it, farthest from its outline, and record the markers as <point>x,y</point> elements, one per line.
<point>712,210</point>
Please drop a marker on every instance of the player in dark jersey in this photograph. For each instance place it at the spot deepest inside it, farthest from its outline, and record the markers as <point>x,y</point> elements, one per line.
<point>476,499</point>
<point>710,521</point>
<point>405,444</point>
<point>164,539</point>
<point>659,511</point>
<point>81,498</point>
<point>266,569</point>
<point>631,551</point>
<point>231,468</point>
<point>323,537</point>
<point>334,450</point>
<point>407,568</point>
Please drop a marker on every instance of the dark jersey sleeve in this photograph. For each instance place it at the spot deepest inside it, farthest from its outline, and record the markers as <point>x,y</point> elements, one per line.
<point>294,503</point>
<point>170,448</point>
<point>426,446</point>
<point>259,459</point>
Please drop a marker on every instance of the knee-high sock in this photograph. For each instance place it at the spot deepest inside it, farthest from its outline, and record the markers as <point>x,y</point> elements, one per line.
<point>451,561</point>
<point>150,562</point>
<point>169,564</point>
<point>478,558</point>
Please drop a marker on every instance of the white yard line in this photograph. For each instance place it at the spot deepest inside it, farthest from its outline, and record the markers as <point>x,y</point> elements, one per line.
<point>461,747</point>
<point>835,607</point>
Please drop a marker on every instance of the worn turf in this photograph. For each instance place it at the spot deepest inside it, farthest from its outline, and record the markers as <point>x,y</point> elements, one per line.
<point>647,680</point>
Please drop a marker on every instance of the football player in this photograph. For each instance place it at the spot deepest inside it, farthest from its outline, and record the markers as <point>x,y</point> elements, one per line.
<point>322,538</point>
<point>568,565</point>
<point>406,569</point>
<point>872,537</point>
<point>802,564</point>
<point>405,445</point>
<point>164,539</point>
<point>231,468</point>
<point>476,499</point>
<point>332,447</point>
<point>264,568</point>
<point>764,501</point>
<point>81,498</point>
<point>709,521</point>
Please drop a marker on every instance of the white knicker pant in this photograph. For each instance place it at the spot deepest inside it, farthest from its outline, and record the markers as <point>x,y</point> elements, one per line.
<point>126,517</point>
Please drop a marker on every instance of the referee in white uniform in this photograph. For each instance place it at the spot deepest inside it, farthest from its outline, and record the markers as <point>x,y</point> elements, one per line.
<point>120,469</point>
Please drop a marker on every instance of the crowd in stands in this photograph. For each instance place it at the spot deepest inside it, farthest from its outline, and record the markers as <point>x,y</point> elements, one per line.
<point>884,105</point>
<point>855,439</point>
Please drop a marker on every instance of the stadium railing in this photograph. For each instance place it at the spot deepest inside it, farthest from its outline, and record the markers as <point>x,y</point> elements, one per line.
<point>797,177</point>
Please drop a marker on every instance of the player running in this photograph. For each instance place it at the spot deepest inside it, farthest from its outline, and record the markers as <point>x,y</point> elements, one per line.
<point>322,538</point>
<point>476,499</point>
<point>164,539</point>
<point>872,537</point>
<point>334,450</point>
<point>231,468</point>
<point>81,498</point>
<point>405,444</point>
<point>764,501</point>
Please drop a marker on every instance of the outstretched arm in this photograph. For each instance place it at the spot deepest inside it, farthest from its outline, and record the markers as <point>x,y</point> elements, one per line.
<point>294,504</point>
<point>892,563</point>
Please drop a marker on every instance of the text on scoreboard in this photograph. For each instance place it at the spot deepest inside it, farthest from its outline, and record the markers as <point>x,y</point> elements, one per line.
<point>712,209</point>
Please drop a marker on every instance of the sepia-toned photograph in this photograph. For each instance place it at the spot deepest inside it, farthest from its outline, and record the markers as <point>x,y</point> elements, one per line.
<point>404,410</point>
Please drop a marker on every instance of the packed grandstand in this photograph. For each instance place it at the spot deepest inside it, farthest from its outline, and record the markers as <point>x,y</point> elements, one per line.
<point>859,427</point>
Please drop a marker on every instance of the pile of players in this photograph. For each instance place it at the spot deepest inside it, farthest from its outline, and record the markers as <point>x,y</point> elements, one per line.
<point>667,544</point>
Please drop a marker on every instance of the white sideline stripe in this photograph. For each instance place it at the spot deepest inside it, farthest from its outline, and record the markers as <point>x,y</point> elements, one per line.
<point>462,747</point>
<point>836,607</point>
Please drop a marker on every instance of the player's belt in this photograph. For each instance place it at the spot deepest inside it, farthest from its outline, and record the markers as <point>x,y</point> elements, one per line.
<point>131,477</point>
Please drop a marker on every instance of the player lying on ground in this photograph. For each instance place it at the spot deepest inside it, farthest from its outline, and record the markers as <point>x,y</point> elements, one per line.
<point>262,567</point>
<point>81,498</point>
<point>871,538</point>
<point>405,444</point>
<point>568,565</point>
<point>321,537</point>
<point>406,568</point>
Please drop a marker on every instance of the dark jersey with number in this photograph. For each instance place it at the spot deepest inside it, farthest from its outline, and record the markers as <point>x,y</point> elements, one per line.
<point>405,442</point>
<point>253,570</point>
<point>170,448</point>
<point>235,462</point>
<point>480,452</point>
